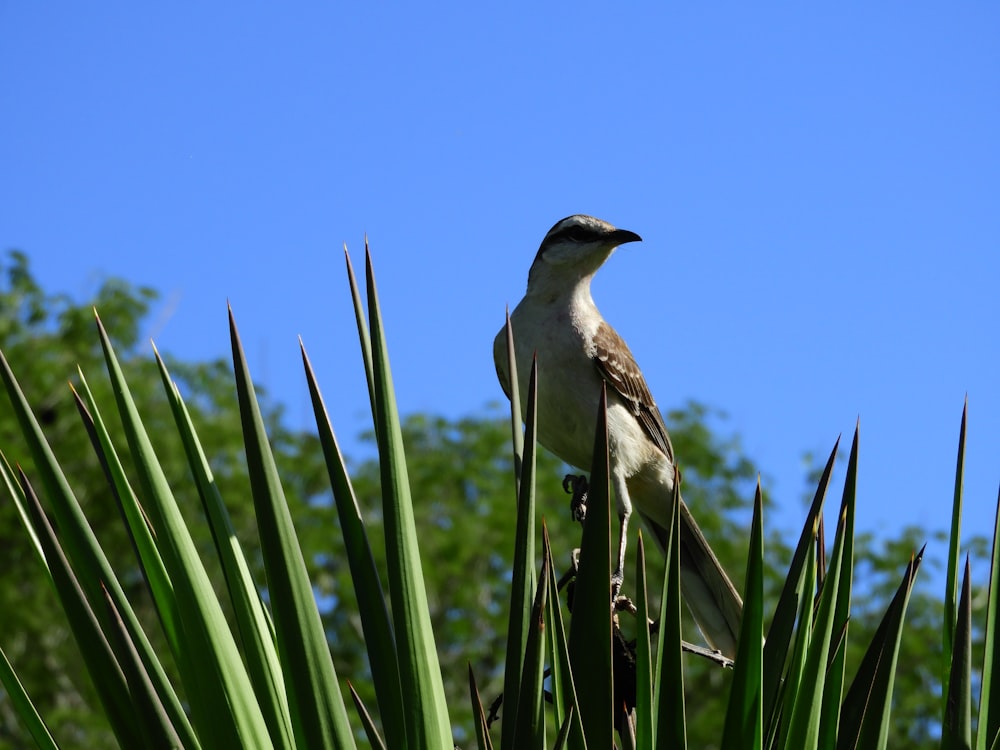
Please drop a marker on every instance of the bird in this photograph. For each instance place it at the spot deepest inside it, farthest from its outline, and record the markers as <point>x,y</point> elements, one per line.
<point>579,354</point>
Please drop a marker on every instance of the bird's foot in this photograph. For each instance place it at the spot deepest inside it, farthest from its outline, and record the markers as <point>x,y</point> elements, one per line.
<point>574,561</point>
<point>577,485</point>
<point>624,604</point>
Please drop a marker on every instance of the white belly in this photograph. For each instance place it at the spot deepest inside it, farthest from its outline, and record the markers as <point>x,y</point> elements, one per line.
<point>569,387</point>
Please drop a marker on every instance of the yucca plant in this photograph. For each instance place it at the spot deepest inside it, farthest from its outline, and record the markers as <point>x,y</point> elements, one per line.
<point>789,688</point>
<point>263,676</point>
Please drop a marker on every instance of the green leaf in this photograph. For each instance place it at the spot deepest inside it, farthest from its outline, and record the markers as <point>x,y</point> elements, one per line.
<point>151,565</point>
<point>23,707</point>
<point>252,618</point>
<point>562,680</point>
<point>137,523</point>
<point>645,728</point>
<point>97,653</point>
<point>956,727</point>
<point>800,650</point>
<point>375,621</point>
<point>371,731</point>
<point>954,545</point>
<point>78,542</point>
<point>514,389</point>
<point>223,705</point>
<point>522,587</point>
<point>779,635</point>
<point>562,739</point>
<point>479,716</point>
<point>529,731</point>
<point>590,626</point>
<point>744,723</point>
<point>419,670</point>
<point>989,698</point>
<point>363,335</point>
<point>808,704</point>
<point>14,490</point>
<point>151,715</point>
<point>833,691</point>
<point>668,676</point>
<point>319,716</point>
<point>864,717</point>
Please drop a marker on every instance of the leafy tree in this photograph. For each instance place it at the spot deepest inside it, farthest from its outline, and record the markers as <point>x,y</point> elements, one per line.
<point>45,337</point>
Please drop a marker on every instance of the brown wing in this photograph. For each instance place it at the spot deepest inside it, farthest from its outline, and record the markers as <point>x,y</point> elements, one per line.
<point>618,367</point>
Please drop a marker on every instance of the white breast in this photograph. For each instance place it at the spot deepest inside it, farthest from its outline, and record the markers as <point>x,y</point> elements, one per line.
<point>569,387</point>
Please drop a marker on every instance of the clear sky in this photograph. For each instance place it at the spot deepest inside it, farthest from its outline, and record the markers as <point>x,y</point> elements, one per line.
<point>818,192</point>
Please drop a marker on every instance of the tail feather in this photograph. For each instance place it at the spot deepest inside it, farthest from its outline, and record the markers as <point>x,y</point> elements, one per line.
<point>705,587</point>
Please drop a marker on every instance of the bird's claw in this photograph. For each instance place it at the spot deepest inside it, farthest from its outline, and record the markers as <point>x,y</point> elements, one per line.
<point>578,486</point>
<point>574,560</point>
<point>624,604</point>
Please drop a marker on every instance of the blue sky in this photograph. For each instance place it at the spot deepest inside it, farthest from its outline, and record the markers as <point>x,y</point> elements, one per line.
<point>818,192</point>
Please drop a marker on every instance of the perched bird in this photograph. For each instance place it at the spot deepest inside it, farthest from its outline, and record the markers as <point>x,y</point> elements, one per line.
<point>578,351</point>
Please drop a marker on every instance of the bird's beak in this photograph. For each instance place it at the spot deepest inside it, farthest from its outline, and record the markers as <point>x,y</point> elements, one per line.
<point>621,236</point>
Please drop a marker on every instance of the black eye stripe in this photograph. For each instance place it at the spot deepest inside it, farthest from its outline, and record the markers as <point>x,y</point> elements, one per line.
<point>580,234</point>
<point>574,234</point>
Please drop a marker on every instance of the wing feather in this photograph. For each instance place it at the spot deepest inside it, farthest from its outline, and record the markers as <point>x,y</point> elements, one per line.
<point>618,367</point>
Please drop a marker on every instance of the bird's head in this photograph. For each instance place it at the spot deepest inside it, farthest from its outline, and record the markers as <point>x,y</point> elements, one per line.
<point>573,250</point>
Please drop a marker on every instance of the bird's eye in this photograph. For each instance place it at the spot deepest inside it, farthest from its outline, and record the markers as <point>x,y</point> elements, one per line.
<point>578,234</point>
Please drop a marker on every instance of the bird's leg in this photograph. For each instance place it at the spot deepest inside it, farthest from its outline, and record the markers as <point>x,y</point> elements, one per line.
<point>578,485</point>
<point>624,511</point>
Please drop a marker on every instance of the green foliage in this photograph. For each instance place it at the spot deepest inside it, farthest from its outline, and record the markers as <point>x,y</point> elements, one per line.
<point>45,337</point>
<point>183,650</point>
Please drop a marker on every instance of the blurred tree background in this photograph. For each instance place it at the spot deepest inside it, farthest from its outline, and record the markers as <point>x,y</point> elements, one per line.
<point>461,477</point>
